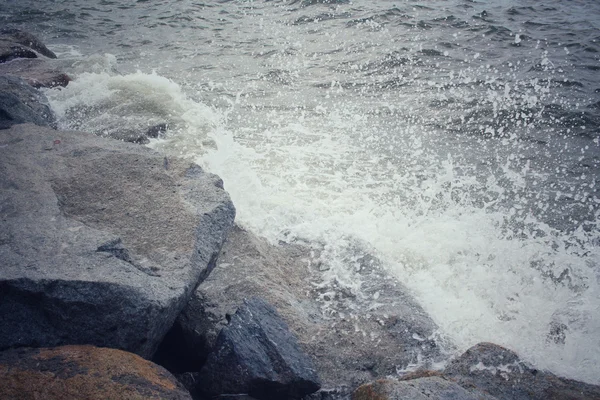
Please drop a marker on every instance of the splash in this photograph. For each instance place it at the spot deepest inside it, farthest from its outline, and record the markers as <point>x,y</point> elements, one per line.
<point>467,242</point>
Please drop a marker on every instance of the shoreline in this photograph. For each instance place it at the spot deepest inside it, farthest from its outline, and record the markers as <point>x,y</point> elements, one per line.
<point>270,272</point>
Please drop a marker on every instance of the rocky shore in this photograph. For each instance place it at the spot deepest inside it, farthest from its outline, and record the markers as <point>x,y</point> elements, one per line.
<point>123,275</point>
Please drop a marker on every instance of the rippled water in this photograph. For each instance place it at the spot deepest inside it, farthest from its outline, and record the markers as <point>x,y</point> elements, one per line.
<point>457,141</point>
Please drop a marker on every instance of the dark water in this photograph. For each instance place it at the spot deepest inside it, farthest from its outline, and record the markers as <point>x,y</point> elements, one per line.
<point>456,140</point>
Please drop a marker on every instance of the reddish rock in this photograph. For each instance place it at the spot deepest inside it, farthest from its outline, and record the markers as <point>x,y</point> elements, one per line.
<point>83,372</point>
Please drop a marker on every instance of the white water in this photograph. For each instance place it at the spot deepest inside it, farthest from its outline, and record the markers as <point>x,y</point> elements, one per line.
<point>484,270</point>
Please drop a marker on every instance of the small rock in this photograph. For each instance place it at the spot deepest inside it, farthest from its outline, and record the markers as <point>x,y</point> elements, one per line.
<point>156,130</point>
<point>501,373</point>
<point>10,51</point>
<point>21,103</point>
<point>37,72</point>
<point>416,389</point>
<point>26,39</point>
<point>257,355</point>
<point>84,372</point>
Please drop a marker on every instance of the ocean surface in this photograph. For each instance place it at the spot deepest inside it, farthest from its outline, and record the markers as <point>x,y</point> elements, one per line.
<point>458,141</point>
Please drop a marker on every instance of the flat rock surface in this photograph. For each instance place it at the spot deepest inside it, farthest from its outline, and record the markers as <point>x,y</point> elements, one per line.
<point>101,242</point>
<point>499,372</point>
<point>416,389</point>
<point>84,372</point>
<point>256,354</point>
<point>352,338</point>
<point>20,103</point>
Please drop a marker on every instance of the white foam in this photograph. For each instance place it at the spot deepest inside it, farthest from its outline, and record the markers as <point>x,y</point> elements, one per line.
<point>482,271</point>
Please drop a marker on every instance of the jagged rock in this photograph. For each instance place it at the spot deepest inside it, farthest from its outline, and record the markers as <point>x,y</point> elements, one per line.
<point>352,339</point>
<point>257,355</point>
<point>84,372</point>
<point>26,39</point>
<point>101,242</point>
<point>37,72</point>
<point>501,373</point>
<point>21,103</point>
<point>416,389</point>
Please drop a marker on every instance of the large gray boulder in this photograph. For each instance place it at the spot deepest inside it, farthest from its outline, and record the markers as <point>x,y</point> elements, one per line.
<point>257,355</point>
<point>20,103</point>
<point>101,242</point>
<point>353,337</point>
<point>501,373</point>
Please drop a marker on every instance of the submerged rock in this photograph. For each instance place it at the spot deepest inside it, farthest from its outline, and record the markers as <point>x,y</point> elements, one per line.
<point>352,339</point>
<point>257,355</point>
<point>101,242</point>
<point>501,373</point>
<point>21,103</point>
<point>84,372</point>
<point>416,389</point>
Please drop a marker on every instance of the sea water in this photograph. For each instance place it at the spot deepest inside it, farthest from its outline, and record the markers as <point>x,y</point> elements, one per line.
<point>456,141</point>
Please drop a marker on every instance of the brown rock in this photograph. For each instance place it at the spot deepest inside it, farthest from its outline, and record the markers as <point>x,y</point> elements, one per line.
<point>83,372</point>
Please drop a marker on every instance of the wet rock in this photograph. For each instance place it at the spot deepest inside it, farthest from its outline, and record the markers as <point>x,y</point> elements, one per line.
<point>84,372</point>
<point>416,389</point>
<point>38,73</point>
<point>25,39</point>
<point>257,355</point>
<point>21,103</point>
<point>354,338</point>
<point>10,51</point>
<point>157,130</point>
<point>101,242</point>
<point>133,134</point>
<point>501,373</point>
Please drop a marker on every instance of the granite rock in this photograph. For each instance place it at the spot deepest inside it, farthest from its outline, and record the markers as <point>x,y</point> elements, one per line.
<point>101,242</point>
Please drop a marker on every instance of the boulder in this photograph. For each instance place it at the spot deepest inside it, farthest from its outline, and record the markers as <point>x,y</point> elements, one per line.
<point>101,242</point>
<point>21,103</point>
<point>353,338</point>
<point>84,372</point>
<point>257,355</point>
<point>416,389</point>
<point>501,373</point>
<point>18,37</point>
<point>37,72</point>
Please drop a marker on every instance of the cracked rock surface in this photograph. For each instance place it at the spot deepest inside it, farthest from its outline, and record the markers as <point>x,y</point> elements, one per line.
<point>101,242</point>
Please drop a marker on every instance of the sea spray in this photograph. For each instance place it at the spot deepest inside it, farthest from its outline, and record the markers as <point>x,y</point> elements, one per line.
<point>464,159</point>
